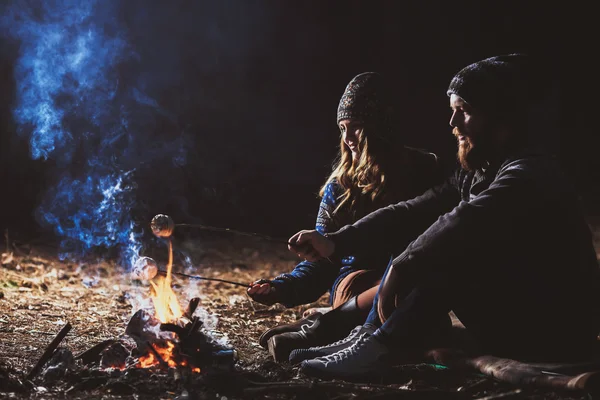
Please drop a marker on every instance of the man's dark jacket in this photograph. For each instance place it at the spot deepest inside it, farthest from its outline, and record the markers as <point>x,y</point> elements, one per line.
<point>513,238</point>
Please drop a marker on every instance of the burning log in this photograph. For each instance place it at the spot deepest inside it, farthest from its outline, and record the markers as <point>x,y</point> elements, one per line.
<point>116,354</point>
<point>141,325</point>
<point>49,351</point>
<point>199,349</point>
<point>162,362</point>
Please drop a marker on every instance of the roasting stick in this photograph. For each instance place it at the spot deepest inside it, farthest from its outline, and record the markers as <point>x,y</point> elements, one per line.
<point>196,277</point>
<point>229,230</point>
<point>146,268</point>
<point>163,226</point>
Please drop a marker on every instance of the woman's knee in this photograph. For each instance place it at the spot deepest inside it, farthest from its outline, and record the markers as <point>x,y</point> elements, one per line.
<point>354,284</point>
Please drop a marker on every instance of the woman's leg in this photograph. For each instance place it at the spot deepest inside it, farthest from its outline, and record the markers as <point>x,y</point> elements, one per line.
<point>352,301</point>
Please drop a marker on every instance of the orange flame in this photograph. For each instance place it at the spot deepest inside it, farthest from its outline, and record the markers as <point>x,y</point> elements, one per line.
<point>166,309</point>
<point>166,305</point>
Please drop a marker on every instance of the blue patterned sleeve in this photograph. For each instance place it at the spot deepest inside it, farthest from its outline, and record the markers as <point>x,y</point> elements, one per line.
<point>310,280</point>
<point>325,220</point>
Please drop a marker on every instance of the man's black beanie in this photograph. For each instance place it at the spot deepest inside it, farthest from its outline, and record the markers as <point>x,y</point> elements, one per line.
<point>498,83</point>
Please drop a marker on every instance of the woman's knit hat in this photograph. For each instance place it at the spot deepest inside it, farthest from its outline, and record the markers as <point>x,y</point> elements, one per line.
<point>367,98</point>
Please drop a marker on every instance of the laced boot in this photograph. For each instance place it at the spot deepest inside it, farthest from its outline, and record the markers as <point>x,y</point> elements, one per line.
<point>326,328</point>
<point>366,358</point>
<point>299,355</point>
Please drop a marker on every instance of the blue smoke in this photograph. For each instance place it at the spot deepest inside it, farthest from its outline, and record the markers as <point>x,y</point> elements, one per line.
<point>78,111</point>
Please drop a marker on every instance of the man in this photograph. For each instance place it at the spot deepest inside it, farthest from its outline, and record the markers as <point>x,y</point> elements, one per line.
<point>502,243</point>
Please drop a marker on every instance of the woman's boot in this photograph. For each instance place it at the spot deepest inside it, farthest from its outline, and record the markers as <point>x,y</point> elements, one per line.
<point>325,329</point>
<point>293,327</point>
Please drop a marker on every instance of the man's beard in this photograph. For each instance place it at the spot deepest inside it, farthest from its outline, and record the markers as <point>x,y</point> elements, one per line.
<point>470,156</point>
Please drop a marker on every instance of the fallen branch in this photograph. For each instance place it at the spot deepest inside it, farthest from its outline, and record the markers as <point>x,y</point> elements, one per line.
<point>584,376</point>
<point>49,351</point>
<point>343,387</point>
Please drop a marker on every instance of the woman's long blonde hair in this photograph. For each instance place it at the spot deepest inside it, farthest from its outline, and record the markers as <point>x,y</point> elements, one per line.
<point>364,182</point>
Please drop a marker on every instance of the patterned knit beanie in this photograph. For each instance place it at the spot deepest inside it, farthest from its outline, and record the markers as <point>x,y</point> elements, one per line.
<point>496,83</point>
<point>366,98</point>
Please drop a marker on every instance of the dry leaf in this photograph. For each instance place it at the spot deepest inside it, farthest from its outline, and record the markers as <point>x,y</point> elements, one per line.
<point>6,258</point>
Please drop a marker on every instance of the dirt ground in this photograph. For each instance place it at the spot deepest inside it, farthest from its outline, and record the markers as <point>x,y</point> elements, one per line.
<point>39,294</point>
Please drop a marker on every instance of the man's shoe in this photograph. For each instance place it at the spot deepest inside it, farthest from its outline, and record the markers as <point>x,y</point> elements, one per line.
<point>293,327</point>
<point>365,359</point>
<point>302,354</point>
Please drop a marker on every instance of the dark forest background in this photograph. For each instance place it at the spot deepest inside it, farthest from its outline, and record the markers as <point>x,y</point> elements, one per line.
<point>258,83</point>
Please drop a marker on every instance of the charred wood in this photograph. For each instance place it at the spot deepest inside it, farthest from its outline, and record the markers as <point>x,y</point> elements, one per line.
<point>49,351</point>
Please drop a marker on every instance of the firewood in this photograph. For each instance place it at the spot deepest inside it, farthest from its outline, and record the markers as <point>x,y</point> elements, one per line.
<point>49,351</point>
<point>192,305</point>
<point>93,353</point>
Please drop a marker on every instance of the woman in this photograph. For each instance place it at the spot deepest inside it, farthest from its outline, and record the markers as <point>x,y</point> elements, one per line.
<point>373,169</point>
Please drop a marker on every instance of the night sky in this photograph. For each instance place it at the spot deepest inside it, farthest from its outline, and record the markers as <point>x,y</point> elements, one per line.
<point>230,106</point>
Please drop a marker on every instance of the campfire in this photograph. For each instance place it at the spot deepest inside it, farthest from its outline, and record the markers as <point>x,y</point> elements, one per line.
<point>167,338</point>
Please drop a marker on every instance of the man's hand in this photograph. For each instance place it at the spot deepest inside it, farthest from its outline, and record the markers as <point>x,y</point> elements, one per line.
<point>311,245</point>
<point>262,291</point>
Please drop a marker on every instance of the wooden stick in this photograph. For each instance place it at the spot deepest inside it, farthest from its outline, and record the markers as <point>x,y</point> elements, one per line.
<point>49,351</point>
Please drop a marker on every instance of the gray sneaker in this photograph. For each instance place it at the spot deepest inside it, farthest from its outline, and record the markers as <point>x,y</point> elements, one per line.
<point>299,355</point>
<point>364,359</point>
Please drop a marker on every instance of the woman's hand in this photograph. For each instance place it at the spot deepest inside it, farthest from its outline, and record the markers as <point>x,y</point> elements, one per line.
<point>263,291</point>
<point>311,245</point>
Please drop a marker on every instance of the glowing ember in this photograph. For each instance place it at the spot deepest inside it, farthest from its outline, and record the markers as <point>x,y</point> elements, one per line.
<point>167,354</point>
<point>166,305</point>
<point>148,361</point>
